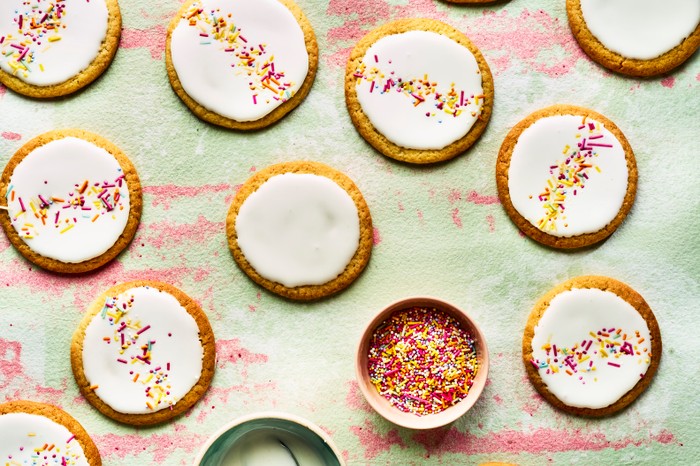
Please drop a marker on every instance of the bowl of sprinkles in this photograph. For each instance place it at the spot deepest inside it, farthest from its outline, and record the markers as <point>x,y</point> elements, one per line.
<point>422,363</point>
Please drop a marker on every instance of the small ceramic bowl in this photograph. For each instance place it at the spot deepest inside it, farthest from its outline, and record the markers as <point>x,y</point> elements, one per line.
<point>410,420</point>
<point>295,438</point>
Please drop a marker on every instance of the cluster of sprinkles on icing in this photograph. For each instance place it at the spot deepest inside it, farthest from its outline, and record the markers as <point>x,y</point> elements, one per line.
<point>39,24</point>
<point>570,175</point>
<point>422,360</point>
<point>48,454</point>
<point>134,349</point>
<point>254,60</point>
<point>87,202</point>
<point>609,346</point>
<point>449,101</point>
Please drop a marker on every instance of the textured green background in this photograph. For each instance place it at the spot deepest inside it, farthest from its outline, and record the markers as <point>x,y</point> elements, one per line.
<point>439,231</point>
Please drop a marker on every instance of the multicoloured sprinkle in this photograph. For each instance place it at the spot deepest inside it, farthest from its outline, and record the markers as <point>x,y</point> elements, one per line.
<point>38,25</point>
<point>569,176</point>
<point>86,202</point>
<point>47,454</point>
<point>610,346</point>
<point>440,100</point>
<point>422,360</point>
<point>252,59</point>
<point>134,349</point>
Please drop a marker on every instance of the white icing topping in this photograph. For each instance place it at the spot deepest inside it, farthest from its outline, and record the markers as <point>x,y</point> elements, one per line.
<point>298,229</point>
<point>26,438</point>
<point>603,368</point>
<point>641,29</point>
<point>68,39</point>
<point>547,187</point>
<point>129,378</point>
<point>256,63</point>
<point>438,98</point>
<point>50,213</point>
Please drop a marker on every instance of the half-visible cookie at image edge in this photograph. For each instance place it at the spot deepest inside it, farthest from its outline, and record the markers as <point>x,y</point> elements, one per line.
<point>241,64</point>
<point>418,90</point>
<point>566,176</point>
<point>144,353</point>
<point>300,229</point>
<point>73,198</point>
<point>636,37</point>
<point>591,346</point>
<point>38,433</point>
<point>53,48</point>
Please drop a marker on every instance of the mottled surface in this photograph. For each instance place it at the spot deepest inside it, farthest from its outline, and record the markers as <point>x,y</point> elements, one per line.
<point>439,230</point>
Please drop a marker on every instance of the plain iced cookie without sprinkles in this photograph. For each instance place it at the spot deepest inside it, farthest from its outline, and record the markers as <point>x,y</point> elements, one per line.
<point>73,199</point>
<point>591,346</point>
<point>51,48</point>
<point>636,37</point>
<point>566,176</point>
<point>144,353</point>
<point>300,229</point>
<point>418,90</point>
<point>36,433</point>
<point>241,64</point>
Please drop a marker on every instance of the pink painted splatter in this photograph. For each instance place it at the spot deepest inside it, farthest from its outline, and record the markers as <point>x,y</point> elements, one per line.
<point>375,442</point>
<point>354,399</point>
<point>536,441</point>
<point>165,194</point>
<point>376,237</point>
<point>668,82</point>
<point>491,223</point>
<point>168,234</point>
<point>232,352</point>
<point>10,136</point>
<point>456,219</point>
<point>152,39</point>
<point>159,446</point>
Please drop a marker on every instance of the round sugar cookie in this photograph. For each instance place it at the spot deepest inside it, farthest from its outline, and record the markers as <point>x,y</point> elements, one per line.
<point>241,64</point>
<point>51,48</point>
<point>144,353</point>
<point>591,346</point>
<point>73,199</point>
<point>38,433</point>
<point>300,229</point>
<point>566,176</point>
<point>418,90</point>
<point>636,37</point>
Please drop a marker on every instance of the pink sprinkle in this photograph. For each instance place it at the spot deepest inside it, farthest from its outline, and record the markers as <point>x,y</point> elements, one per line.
<point>534,364</point>
<point>461,99</point>
<point>70,439</point>
<point>371,88</point>
<point>21,204</point>
<point>597,136</point>
<point>143,330</point>
<point>168,366</point>
<point>582,126</point>
<point>21,21</point>
<point>243,39</point>
<point>123,361</point>
<point>255,99</point>
<point>554,347</point>
<point>589,345</point>
<point>203,34</point>
<point>613,364</point>
<point>593,144</point>
<point>591,126</point>
<point>57,214</point>
<point>376,60</point>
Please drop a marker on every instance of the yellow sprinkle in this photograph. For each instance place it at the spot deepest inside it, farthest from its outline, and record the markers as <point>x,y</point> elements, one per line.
<point>41,66</point>
<point>597,168</point>
<point>67,228</point>
<point>54,38</point>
